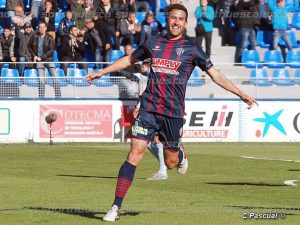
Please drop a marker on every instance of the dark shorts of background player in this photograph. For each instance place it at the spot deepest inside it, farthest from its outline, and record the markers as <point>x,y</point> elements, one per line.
<point>149,124</point>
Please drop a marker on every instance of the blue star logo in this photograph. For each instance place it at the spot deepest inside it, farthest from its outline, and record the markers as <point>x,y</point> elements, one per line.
<point>271,120</point>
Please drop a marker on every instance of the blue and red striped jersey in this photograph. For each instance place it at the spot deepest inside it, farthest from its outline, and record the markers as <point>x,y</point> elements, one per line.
<point>172,62</point>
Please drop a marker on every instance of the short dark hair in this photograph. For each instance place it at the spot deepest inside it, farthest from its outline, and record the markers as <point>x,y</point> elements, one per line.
<point>71,27</point>
<point>7,28</point>
<point>178,7</point>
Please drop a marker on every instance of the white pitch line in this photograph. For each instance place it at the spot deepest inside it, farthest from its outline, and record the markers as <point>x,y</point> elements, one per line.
<point>283,160</point>
<point>290,182</point>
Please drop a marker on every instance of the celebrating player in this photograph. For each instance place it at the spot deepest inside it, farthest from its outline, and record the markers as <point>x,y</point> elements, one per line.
<point>173,58</point>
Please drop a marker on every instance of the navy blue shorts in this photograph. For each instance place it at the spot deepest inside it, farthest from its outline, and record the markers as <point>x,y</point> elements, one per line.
<point>169,129</point>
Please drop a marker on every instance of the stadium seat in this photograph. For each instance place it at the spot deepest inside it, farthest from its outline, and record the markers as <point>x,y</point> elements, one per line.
<point>140,16</point>
<point>195,79</point>
<point>264,39</point>
<point>104,81</point>
<point>282,78</point>
<point>293,59</point>
<point>163,5</point>
<point>296,20</point>
<point>55,59</point>
<point>161,18</point>
<point>297,77</point>
<point>60,74</point>
<point>77,78</point>
<point>116,54</point>
<point>2,4</point>
<point>58,17</point>
<point>250,59</point>
<point>293,40</point>
<point>10,76</point>
<point>88,57</point>
<point>273,59</point>
<point>31,78</point>
<point>260,78</point>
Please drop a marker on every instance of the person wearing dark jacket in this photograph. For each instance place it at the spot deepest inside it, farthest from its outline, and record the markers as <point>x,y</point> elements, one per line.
<point>21,47</point>
<point>7,43</point>
<point>41,46</point>
<point>110,14</point>
<point>245,24</point>
<point>264,14</point>
<point>98,38</point>
<point>48,17</point>
<point>73,49</point>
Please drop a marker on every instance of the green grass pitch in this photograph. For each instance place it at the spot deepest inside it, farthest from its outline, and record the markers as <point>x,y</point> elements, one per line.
<point>74,183</point>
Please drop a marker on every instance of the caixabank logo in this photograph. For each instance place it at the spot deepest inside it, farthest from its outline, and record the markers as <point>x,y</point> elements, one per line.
<point>203,124</point>
<point>270,121</point>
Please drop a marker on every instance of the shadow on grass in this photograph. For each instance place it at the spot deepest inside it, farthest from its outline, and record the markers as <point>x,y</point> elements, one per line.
<point>248,183</point>
<point>98,177</point>
<point>268,208</point>
<point>87,213</point>
<point>294,170</point>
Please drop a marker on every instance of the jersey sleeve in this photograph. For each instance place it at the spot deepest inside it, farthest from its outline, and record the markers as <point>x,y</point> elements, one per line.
<point>201,60</point>
<point>142,52</point>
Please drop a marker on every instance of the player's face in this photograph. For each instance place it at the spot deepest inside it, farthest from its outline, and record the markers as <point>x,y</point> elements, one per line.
<point>176,23</point>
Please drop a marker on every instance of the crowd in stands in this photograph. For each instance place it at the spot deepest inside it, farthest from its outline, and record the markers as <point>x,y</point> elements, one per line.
<point>89,30</point>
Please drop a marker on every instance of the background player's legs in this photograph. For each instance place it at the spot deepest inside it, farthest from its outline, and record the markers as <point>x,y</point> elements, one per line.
<point>127,170</point>
<point>176,159</point>
<point>156,148</point>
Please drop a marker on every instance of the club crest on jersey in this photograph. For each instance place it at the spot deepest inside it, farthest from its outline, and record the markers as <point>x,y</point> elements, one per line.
<point>179,51</point>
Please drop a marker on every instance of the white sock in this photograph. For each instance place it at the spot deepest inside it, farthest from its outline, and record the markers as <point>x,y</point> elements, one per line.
<point>157,150</point>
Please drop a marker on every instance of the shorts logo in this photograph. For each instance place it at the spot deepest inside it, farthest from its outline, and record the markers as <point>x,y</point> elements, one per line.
<point>179,51</point>
<point>136,129</point>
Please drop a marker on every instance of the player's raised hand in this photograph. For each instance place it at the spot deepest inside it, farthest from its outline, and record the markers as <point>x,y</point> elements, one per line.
<point>249,101</point>
<point>91,76</point>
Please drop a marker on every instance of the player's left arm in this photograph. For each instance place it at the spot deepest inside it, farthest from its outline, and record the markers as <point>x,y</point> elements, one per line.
<point>225,83</point>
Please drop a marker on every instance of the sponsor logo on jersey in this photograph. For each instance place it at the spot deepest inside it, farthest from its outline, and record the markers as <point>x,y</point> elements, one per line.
<point>156,48</point>
<point>165,66</point>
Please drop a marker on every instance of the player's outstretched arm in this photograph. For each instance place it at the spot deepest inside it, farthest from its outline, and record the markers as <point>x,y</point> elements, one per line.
<point>118,65</point>
<point>225,83</point>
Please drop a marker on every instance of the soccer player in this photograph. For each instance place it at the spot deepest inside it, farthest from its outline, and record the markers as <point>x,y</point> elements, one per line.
<point>173,58</point>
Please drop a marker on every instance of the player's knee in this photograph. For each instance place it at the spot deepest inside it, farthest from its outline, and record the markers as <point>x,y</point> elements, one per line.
<point>171,164</point>
<point>134,157</point>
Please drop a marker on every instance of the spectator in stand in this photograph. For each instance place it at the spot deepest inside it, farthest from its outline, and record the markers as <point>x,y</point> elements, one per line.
<point>73,49</point>
<point>20,18</point>
<point>126,6</point>
<point>21,47</point>
<point>228,7</point>
<point>48,17</point>
<point>98,38</point>
<point>132,32</point>
<point>82,10</point>
<point>141,6</point>
<point>41,47</point>
<point>151,26</point>
<point>7,48</point>
<point>263,20</point>
<point>63,31</point>
<point>205,15</point>
<point>10,10</point>
<point>129,86</point>
<point>280,23</point>
<point>108,12</point>
<point>36,10</point>
<point>245,23</point>
<point>172,2</point>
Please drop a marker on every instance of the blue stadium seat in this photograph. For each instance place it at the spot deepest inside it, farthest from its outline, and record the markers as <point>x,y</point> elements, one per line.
<point>273,59</point>
<point>60,74</point>
<point>294,4</point>
<point>282,78</point>
<point>296,20</point>
<point>58,17</point>
<point>250,59</point>
<point>88,57</point>
<point>195,79</point>
<point>260,78</point>
<point>104,81</point>
<point>77,78</point>
<point>31,78</point>
<point>55,59</point>
<point>140,16</point>
<point>2,4</point>
<point>163,5</point>
<point>293,59</point>
<point>161,18</point>
<point>116,54</point>
<point>297,77</point>
<point>292,38</point>
<point>10,76</point>
<point>264,39</point>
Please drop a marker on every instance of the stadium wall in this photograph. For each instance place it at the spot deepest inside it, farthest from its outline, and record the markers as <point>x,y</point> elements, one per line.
<point>99,121</point>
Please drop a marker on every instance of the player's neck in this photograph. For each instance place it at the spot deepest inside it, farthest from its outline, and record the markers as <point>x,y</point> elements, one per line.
<point>174,38</point>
